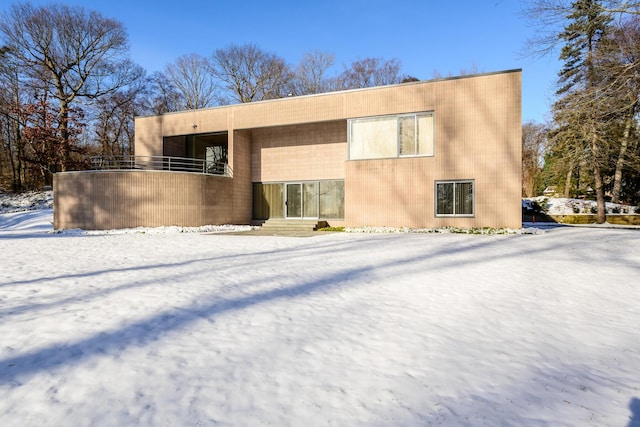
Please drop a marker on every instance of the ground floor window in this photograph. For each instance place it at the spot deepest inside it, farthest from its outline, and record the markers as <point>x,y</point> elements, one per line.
<point>268,200</point>
<point>306,199</point>
<point>455,198</point>
<point>331,199</point>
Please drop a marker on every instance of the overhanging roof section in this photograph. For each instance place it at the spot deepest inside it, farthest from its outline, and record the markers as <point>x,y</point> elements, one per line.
<point>381,100</point>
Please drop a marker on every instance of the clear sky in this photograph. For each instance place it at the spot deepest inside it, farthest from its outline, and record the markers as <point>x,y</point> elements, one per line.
<point>427,36</point>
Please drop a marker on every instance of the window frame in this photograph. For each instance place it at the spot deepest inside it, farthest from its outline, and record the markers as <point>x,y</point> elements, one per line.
<point>372,119</point>
<point>454,182</point>
<point>398,142</point>
<point>268,199</point>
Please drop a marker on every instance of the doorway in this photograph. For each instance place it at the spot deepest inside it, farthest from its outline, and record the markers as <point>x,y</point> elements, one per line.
<point>301,200</point>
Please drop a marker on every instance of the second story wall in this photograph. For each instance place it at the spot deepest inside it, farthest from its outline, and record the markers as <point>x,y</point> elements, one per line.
<point>313,151</point>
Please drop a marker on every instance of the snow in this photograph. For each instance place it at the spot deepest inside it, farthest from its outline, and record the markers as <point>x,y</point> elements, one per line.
<point>171,328</point>
<point>569,206</point>
<point>27,201</point>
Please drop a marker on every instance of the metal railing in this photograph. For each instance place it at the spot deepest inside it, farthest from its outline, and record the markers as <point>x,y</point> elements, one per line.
<point>160,163</point>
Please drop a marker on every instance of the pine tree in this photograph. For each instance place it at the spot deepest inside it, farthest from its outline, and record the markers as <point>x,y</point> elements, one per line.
<point>580,86</point>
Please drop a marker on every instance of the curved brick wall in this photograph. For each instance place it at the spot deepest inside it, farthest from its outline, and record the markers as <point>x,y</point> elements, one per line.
<point>102,200</point>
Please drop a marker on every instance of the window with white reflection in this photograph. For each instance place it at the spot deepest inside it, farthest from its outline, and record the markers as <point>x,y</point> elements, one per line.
<point>373,138</point>
<point>406,135</point>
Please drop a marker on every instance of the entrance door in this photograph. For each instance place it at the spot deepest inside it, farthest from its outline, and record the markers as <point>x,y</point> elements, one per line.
<point>302,200</point>
<point>293,201</point>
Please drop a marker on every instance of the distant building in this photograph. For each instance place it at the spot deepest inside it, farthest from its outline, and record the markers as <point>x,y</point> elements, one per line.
<point>551,191</point>
<point>445,152</point>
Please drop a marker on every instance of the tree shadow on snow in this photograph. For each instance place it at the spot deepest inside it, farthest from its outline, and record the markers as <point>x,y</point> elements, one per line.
<point>17,369</point>
<point>634,406</point>
<point>13,370</point>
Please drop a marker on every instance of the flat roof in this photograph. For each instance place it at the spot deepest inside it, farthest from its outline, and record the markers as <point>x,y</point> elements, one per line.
<point>440,79</point>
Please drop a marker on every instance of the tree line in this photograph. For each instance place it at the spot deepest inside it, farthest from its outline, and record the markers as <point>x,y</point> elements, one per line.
<point>69,89</point>
<point>590,145</point>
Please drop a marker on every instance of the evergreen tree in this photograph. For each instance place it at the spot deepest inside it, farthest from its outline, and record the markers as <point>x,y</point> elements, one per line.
<point>581,88</point>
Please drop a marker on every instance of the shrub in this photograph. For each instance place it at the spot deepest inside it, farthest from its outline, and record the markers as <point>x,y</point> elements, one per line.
<point>331,229</point>
<point>540,206</point>
<point>483,230</point>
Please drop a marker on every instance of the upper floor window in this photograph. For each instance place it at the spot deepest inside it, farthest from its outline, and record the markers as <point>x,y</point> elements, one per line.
<point>391,136</point>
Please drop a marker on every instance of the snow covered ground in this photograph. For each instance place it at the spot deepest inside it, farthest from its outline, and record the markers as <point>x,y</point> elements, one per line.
<point>368,329</point>
<point>568,206</point>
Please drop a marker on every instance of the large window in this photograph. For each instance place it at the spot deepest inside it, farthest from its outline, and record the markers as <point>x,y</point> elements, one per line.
<point>454,198</point>
<point>331,199</point>
<point>391,136</point>
<point>309,199</point>
<point>212,148</point>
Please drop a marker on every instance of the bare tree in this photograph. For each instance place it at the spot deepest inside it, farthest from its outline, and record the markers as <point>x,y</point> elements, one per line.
<point>473,69</point>
<point>533,151</point>
<point>623,7</point>
<point>622,63</point>
<point>310,76</point>
<point>191,75</point>
<point>369,72</point>
<point>10,133</point>
<point>248,73</point>
<point>548,18</point>
<point>113,124</point>
<point>41,135</point>
<point>84,54</point>
<point>162,96</point>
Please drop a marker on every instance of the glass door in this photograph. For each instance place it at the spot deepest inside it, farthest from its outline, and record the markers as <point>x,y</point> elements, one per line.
<point>302,200</point>
<point>310,200</point>
<point>293,201</point>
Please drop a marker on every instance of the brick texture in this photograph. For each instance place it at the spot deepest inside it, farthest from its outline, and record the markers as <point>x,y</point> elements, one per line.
<point>477,130</point>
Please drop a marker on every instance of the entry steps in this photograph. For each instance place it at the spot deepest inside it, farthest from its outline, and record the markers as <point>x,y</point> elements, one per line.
<point>281,224</point>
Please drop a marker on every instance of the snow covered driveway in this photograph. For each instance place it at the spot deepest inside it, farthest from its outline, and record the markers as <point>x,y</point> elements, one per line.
<point>185,329</point>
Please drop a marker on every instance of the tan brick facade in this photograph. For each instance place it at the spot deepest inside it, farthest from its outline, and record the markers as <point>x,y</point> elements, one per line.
<point>313,151</point>
<point>126,199</point>
<point>477,133</point>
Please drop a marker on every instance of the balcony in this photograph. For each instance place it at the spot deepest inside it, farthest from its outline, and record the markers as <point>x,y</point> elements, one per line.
<point>160,163</point>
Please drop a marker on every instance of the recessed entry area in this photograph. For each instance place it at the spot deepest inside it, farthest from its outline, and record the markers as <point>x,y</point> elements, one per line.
<point>212,147</point>
<point>299,200</point>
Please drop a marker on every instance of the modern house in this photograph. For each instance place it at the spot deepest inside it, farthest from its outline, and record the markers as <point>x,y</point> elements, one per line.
<point>443,152</point>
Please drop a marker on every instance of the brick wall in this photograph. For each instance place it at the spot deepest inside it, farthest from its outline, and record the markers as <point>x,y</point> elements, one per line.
<point>477,136</point>
<point>312,151</point>
<point>105,200</point>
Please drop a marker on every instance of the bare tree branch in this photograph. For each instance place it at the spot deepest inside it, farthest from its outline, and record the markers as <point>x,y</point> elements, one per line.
<point>191,75</point>
<point>85,55</point>
<point>369,72</point>
<point>248,74</point>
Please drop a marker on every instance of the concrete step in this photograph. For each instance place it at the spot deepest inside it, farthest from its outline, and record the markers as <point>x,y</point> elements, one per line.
<point>280,224</point>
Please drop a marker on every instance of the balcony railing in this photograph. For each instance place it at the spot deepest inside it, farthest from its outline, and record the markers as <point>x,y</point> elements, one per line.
<point>160,163</point>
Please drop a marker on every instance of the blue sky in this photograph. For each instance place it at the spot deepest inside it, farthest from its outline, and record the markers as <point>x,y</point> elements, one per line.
<point>427,36</point>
